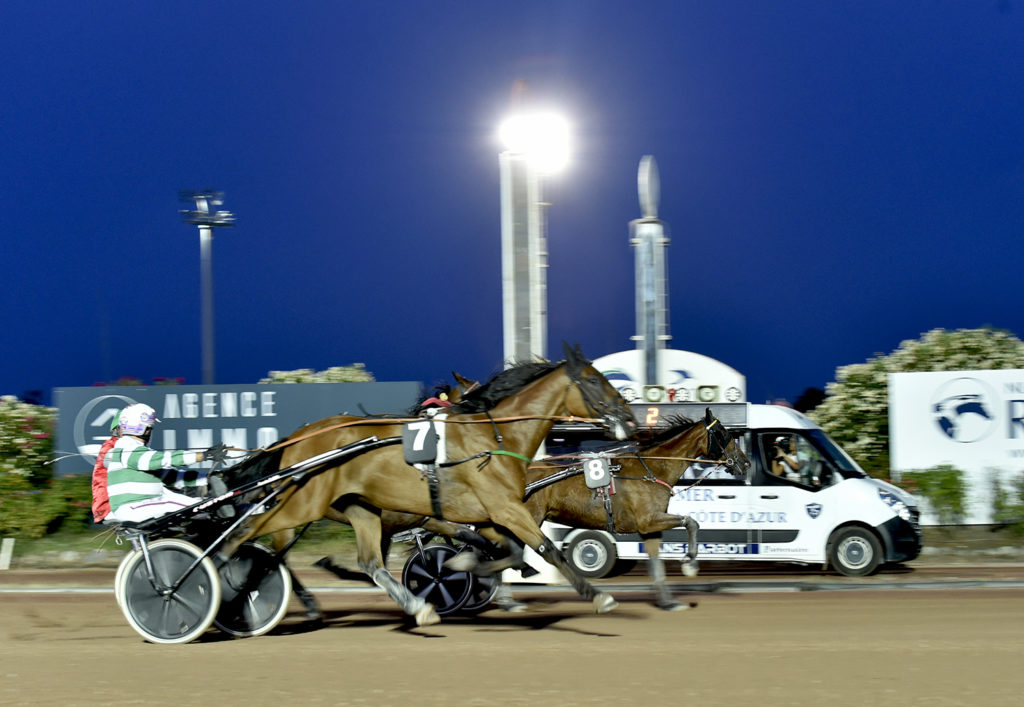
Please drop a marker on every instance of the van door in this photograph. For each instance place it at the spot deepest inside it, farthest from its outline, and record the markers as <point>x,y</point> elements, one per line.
<point>720,504</point>
<point>784,501</point>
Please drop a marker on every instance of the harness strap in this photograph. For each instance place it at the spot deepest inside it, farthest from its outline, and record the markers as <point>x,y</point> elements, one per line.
<point>514,455</point>
<point>434,484</point>
<point>609,522</point>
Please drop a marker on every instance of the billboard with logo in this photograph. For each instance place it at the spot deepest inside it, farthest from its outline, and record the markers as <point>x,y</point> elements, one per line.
<point>972,420</point>
<point>197,417</point>
<point>683,377</point>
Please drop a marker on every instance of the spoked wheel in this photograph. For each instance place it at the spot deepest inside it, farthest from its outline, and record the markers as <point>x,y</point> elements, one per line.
<point>162,616</point>
<point>481,595</point>
<point>255,587</point>
<point>426,576</point>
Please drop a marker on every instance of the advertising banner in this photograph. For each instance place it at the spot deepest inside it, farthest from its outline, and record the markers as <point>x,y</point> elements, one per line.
<point>972,420</point>
<point>197,417</point>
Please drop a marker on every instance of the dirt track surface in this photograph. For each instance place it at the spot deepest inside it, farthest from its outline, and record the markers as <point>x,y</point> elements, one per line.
<point>949,647</point>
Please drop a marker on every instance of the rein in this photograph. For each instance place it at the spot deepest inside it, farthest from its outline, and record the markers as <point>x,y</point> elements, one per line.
<point>402,420</point>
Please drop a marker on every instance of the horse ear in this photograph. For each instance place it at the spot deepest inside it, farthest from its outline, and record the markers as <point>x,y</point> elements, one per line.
<point>578,352</point>
<point>708,417</point>
<point>568,352</point>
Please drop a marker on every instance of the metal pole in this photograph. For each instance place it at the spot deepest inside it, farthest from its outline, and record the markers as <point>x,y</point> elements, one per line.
<point>524,260</point>
<point>206,287</point>
<point>206,220</point>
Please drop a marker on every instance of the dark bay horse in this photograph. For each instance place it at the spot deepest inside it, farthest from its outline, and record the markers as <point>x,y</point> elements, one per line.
<point>648,470</point>
<point>489,438</point>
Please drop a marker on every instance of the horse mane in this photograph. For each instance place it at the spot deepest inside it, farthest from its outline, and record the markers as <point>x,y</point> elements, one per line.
<point>502,385</point>
<point>253,468</point>
<point>674,425</point>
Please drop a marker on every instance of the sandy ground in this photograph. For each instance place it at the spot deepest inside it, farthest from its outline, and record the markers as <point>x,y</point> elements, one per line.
<point>904,646</point>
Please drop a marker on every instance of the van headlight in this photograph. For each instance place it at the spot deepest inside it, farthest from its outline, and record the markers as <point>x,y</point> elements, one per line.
<point>898,507</point>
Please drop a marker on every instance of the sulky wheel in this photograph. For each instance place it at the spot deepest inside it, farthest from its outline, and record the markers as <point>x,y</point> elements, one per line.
<point>426,576</point>
<point>120,571</point>
<point>255,587</point>
<point>481,595</point>
<point>162,616</point>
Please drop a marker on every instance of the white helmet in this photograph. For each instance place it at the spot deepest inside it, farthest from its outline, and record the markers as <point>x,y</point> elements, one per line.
<point>136,419</point>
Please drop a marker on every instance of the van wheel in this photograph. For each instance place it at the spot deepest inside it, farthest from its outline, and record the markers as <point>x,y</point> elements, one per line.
<point>591,554</point>
<point>855,552</point>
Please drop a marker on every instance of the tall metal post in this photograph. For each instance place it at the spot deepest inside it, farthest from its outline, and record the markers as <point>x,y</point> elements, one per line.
<point>647,235</point>
<point>206,220</point>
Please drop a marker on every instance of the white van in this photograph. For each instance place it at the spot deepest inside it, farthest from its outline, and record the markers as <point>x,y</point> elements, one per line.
<point>827,511</point>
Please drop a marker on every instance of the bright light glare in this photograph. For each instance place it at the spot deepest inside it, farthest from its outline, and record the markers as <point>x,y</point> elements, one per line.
<point>544,137</point>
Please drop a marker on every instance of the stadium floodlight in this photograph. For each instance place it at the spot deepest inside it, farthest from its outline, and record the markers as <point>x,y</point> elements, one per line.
<point>542,137</point>
<point>206,219</point>
<point>536,145</point>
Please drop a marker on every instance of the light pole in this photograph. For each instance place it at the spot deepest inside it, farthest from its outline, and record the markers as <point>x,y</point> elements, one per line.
<point>206,220</point>
<point>536,144</point>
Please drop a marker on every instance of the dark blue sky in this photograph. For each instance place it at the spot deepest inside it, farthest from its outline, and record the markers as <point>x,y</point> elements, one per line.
<point>836,177</point>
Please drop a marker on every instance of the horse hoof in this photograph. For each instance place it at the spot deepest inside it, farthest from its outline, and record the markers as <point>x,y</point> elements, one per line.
<point>673,606</point>
<point>427,616</point>
<point>690,569</point>
<point>512,607</point>
<point>603,603</point>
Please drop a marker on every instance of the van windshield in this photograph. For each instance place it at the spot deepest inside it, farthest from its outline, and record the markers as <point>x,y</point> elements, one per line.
<point>846,466</point>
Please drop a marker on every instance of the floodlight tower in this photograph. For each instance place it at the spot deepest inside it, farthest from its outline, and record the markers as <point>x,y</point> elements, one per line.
<point>647,236</point>
<point>206,219</point>
<point>536,145</point>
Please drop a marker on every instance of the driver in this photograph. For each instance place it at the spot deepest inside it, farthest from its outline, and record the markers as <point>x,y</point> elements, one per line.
<point>135,484</point>
<point>785,461</point>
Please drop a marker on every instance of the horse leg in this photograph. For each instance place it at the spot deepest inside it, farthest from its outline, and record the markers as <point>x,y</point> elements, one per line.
<point>655,523</point>
<point>689,565</point>
<point>502,553</point>
<point>279,541</point>
<point>656,568</point>
<point>367,526</point>
<point>470,561</point>
<point>518,520</point>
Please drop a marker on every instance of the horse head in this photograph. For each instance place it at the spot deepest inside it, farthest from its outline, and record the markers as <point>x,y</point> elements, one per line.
<point>722,447</point>
<point>685,439</point>
<point>595,396</point>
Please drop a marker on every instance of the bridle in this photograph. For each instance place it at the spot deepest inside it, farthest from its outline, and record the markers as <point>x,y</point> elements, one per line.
<point>612,412</point>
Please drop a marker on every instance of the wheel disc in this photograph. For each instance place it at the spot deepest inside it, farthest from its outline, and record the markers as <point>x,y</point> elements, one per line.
<point>169,617</point>
<point>255,588</point>
<point>426,577</point>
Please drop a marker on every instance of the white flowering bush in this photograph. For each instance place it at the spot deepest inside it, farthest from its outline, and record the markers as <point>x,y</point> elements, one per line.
<point>26,441</point>
<point>32,502</point>
<point>356,373</point>
<point>856,411</point>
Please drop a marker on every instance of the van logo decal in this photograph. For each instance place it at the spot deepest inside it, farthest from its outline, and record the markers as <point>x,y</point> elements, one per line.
<point>813,509</point>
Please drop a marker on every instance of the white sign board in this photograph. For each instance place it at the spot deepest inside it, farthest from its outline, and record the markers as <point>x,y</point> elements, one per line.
<point>683,377</point>
<point>972,420</point>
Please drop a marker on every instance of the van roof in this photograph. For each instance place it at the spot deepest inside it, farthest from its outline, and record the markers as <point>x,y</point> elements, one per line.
<point>773,416</point>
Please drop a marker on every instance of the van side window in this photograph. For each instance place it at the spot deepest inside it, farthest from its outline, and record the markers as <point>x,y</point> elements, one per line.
<point>790,456</point>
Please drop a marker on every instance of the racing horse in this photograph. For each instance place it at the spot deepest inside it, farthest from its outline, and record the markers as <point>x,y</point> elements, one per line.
<point>644,480</point>
<point>490,437</point>
<point>645,474</point>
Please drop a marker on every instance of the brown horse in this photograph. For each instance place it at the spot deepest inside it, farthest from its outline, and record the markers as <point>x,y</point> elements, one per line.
<point>645,472</point>
<point>643,484</point>
<point>489,439</point>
